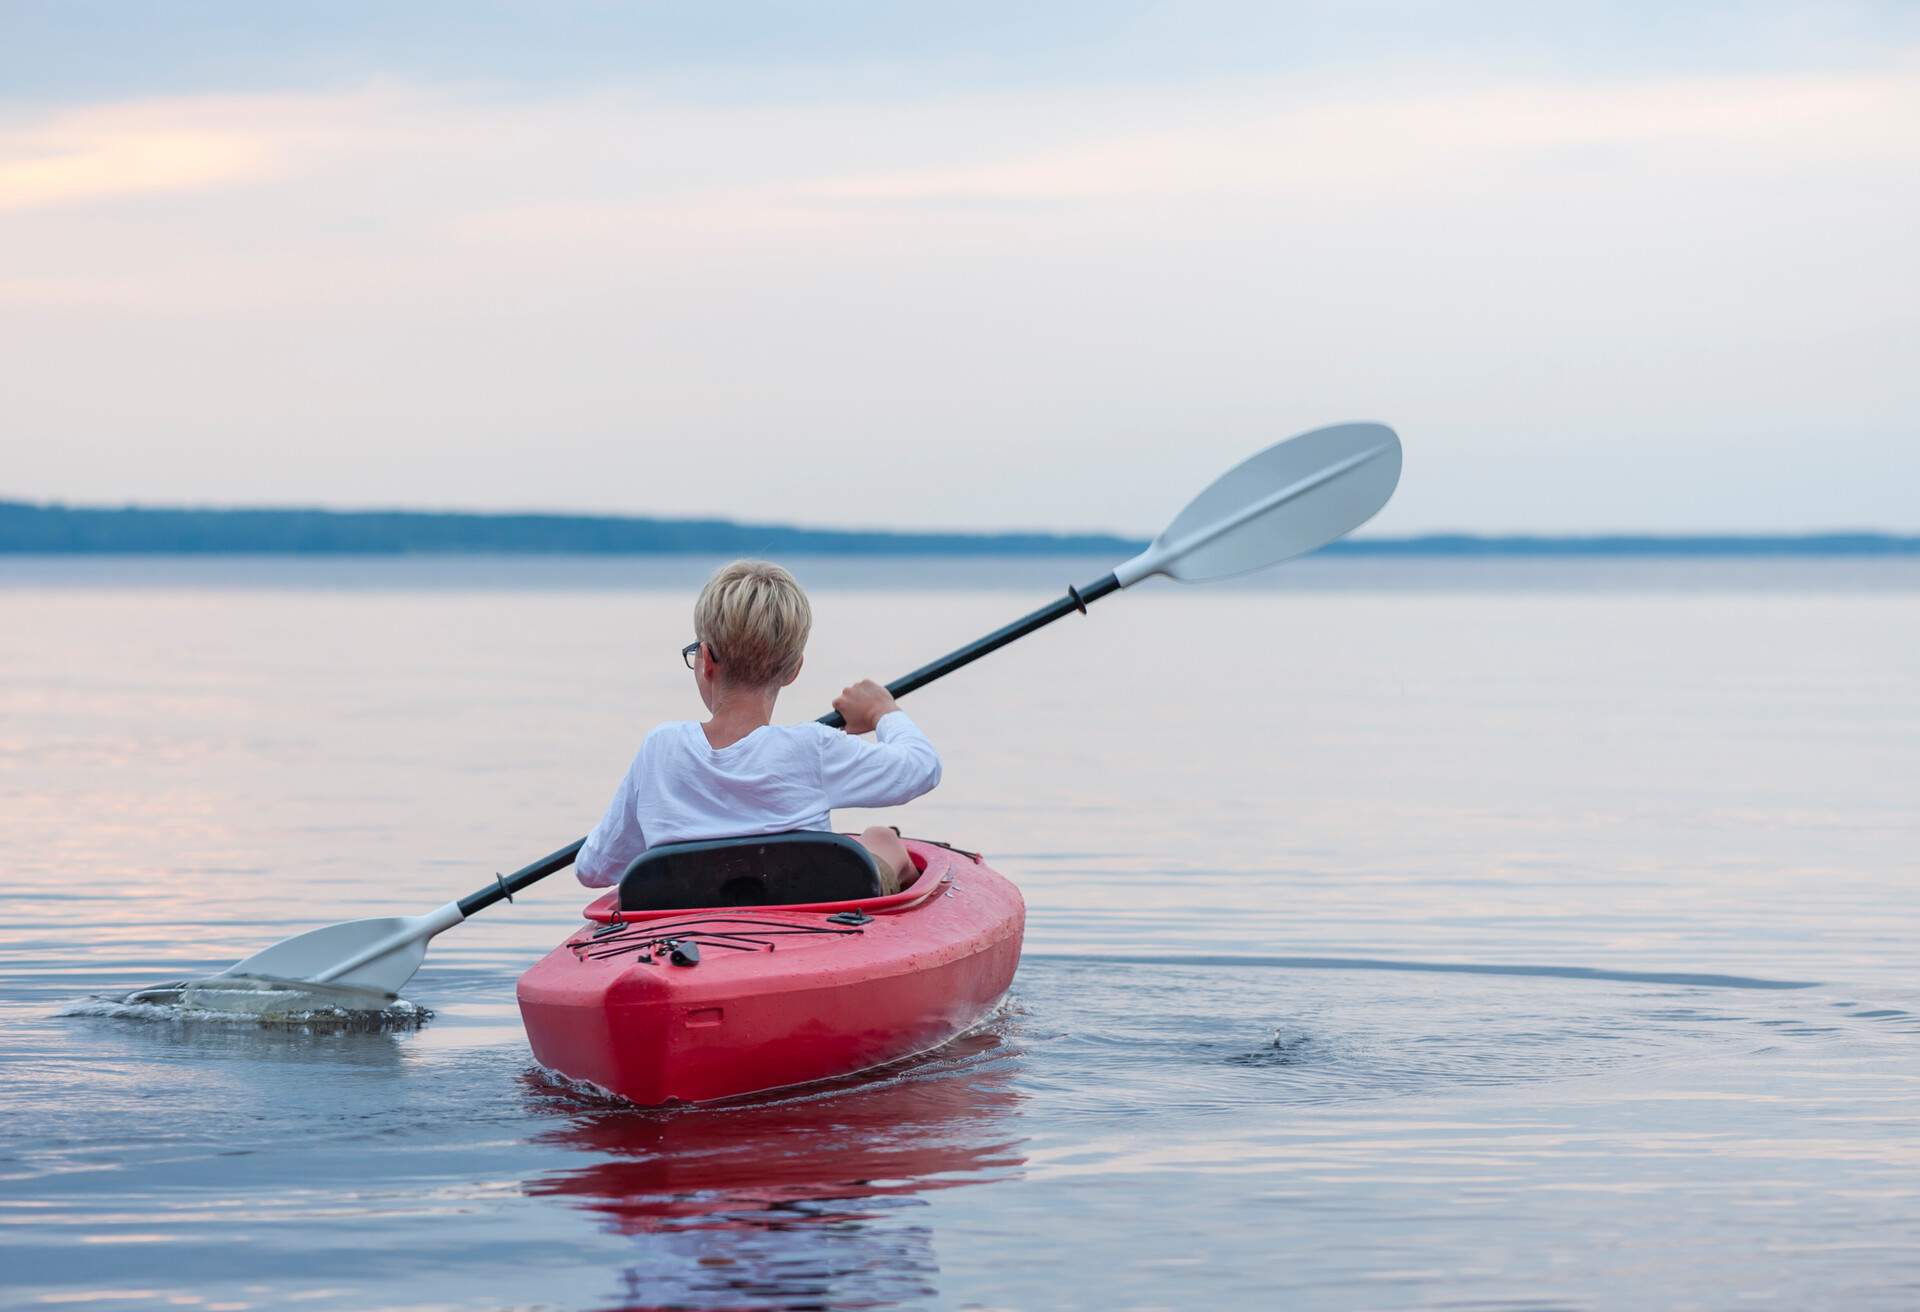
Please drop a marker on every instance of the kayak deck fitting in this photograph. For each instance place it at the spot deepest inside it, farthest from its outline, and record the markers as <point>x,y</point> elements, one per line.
<point>707,997</point>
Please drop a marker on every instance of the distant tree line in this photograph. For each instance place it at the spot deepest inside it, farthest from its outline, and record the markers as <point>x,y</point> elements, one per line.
<point>57,529</point>
<point>140,530</point>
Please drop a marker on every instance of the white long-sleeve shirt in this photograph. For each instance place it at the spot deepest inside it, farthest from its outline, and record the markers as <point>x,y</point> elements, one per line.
<point>779,777</point>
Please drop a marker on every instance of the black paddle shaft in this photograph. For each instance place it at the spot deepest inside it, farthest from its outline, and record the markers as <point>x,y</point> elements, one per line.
<point>505,886</point>
<point>1075,602</point>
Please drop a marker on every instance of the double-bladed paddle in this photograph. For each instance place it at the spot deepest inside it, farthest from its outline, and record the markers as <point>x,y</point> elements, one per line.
<point>1291,498</point>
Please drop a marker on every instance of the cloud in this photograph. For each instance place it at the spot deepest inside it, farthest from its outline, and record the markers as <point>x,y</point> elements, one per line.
<point>112,154</point>
<point>470,295</point>
<point>1264,146</point>
<point>101,155</point>
<point>568,154</point>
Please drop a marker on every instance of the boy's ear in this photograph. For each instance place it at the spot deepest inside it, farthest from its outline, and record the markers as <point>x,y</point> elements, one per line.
<point>788,681</point>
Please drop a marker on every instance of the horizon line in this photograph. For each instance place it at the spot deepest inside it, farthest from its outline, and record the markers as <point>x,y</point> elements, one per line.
<point>60,528</point>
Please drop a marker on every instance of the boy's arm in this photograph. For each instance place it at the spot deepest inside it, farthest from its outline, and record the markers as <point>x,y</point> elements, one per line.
<point>615,841</point>
<point>897,767</point>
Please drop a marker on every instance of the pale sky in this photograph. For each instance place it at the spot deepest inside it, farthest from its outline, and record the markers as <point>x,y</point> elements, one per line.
<point>1605,267</point>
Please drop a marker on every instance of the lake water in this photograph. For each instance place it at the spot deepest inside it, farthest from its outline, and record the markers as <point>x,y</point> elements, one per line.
<point>1403,934</point>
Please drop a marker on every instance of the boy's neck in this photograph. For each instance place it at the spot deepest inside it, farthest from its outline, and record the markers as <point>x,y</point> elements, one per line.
<point>737,712</point>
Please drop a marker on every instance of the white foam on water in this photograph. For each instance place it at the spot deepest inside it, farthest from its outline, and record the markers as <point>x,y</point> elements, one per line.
<point>583,1089</point>
<point>250,1000</point>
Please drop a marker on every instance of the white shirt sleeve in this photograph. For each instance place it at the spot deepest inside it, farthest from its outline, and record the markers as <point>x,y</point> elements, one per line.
<point>616,840</point>
<point>898,766</point>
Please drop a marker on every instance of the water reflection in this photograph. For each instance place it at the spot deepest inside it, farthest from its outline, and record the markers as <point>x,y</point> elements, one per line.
<point>815,1200</point>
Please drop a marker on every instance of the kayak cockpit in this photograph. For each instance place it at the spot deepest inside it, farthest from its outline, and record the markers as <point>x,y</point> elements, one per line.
<point>719,878</point>
<point>763,870</point>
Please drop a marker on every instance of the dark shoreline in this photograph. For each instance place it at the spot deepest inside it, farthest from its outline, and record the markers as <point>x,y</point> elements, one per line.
<point>57,530</point>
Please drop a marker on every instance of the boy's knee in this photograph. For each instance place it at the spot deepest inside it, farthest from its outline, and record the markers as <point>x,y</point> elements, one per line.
<point>889,855</point>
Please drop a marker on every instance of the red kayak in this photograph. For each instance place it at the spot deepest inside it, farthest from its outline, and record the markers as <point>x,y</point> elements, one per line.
<point>725,968</point>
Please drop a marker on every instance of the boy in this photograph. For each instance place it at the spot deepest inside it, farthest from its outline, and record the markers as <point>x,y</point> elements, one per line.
<point>739,773</point>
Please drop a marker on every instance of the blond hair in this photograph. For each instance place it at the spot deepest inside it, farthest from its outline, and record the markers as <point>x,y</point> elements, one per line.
<point>755,620</point>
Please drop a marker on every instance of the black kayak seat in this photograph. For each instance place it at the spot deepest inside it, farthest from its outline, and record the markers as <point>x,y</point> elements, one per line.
<point>762,870</point>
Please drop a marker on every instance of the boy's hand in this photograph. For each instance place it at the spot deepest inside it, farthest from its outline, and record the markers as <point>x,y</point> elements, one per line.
<point>862,705</point>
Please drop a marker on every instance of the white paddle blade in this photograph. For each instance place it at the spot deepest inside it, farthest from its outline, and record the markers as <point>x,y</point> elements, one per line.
<point>380,955</point>
<point>1290,499</point>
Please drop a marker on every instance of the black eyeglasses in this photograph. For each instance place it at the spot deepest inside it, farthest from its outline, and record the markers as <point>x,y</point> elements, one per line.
<point>686,652</point>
